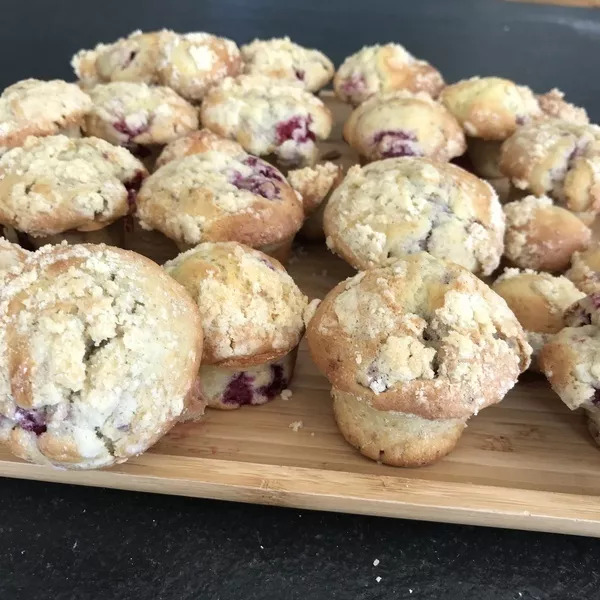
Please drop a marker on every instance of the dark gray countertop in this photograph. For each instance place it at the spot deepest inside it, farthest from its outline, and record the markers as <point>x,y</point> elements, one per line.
<point>62,542</point>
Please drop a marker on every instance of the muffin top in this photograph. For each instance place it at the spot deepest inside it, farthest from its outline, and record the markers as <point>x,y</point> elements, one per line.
<point>197,142</point>
<point>280,58</point>
<point>556,158</point>
<point>585,269</point>
<point>55,183</point>
<point>267,116</point>
<point>554,105</point>
<point>400,206</point>
<point>542,236</point>
<point>403,123</point>
<point>490,107</point>
<point>34,107</point>
<point>189,63</point>
<point>314,184</point>
<point>384,68</point>
<point>422,336</point>
<point>214,196</point>
<point>251,308</point>
<point>12,256</point>
<point>124,112</point>
<point>99,349</point>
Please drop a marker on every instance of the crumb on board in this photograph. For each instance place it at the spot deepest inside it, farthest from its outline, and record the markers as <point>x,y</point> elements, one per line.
<point>312,434</point>
<point>296,425</point>
<point>286,394</point>
<point>324,273</point>
<point>377,579</point>
<point>375,562</point>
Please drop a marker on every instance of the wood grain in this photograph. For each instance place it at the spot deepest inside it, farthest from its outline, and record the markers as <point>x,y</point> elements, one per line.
<point>526,463</point>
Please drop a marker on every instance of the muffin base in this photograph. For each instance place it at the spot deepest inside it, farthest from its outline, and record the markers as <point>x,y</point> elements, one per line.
<point>394,438</point>
<point>228,388</point>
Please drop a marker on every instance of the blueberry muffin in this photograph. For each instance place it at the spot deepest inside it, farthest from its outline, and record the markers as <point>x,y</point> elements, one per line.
<point>126,113</point>
<point>282,59</point>
<point>539,301</point>
<point>403,123</point>
<point>268,117</point>
<point>189,63</point>
<point>386,68</point>
<point>554,105</point>
<point>99,352</point>
<point>412,351</point>
<point>219,196</point>
<point>542,236</point>
<point>34,107</point>
<point>197,142</point>
<point>54,185</point>
<point>570,361</point>
<point>400,206</point>
<point>315,185</point>
<point>559,159</point>
<point>252,316</point>
<point>585,269</point>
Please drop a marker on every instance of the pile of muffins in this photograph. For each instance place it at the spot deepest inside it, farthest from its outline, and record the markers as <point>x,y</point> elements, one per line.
<point>186,142</point>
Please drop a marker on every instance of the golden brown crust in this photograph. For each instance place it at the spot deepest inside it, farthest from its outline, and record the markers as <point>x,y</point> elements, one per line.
<point>542,236</point>
<point>585,269</point>
<point>407,338</point>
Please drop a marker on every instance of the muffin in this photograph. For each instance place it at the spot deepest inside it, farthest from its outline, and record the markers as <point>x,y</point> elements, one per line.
<point>252,316</point>
<point>539,301</point>
<point>400,206</point>
<point>585,269</point>
<point>282,59</point>
<point>315,185</point>
<point>12,256</point>
<point>34,107</point>
<point>59,185</point>
<point>99,352</point>
<point>570,361</point>
<point>386,68</point>
<point>126,113</point>
<point>559,159</point>
<point>195,143</point>
<point>189,63</point>
<point>218,196</point>
<point>268,117</point>
<point>403,123</point>
<point>412,351</point>
<point>554,105</point>
<point>542,236</point>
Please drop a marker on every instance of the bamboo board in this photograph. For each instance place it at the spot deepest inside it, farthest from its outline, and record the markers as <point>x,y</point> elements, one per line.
<point>527,463</point>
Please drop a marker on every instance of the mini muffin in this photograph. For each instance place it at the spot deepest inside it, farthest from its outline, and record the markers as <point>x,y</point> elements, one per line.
<point>412,351</point>
<point>554,105</point>
<point>490,108</point>
<point>268,117</point>
<point>197,142</point>
<point>280,58</point>
<point>218,196</point>
<point>585,269</point>
<point>539,301</point>
<point>378,68</point>
<point>126,113</point>
<point>12,256</point>
<point>56,184</point>
<point>34,107</point>
<point>99,353</point>
<point>400,206</point>
<point>570,361</point>
<point>315,185</point>
<point>252,316</point>
<point>542,236</point>
<point>556,158</point>
<point>191,63</point>
<point>402,123</point>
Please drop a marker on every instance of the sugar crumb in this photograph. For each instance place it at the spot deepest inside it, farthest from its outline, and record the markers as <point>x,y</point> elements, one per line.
<point>296,425</point>
<point>286,394</point>
<point>375,562</point>
<point>378,579</point>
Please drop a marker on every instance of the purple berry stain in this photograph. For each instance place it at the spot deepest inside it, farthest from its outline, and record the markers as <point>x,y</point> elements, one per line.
<point>396,143</point>
<point>260,181</point>
<point>131,132</point>
<point>296,129</point>
<point>277,384</point>
<point>299,74</point>
<point>133,187</point>
<point>239,390</point>
<point>355,84</point>
<point>31,420</point>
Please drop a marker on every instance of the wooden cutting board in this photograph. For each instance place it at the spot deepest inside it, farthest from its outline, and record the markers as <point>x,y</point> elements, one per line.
<point>527,463</point>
